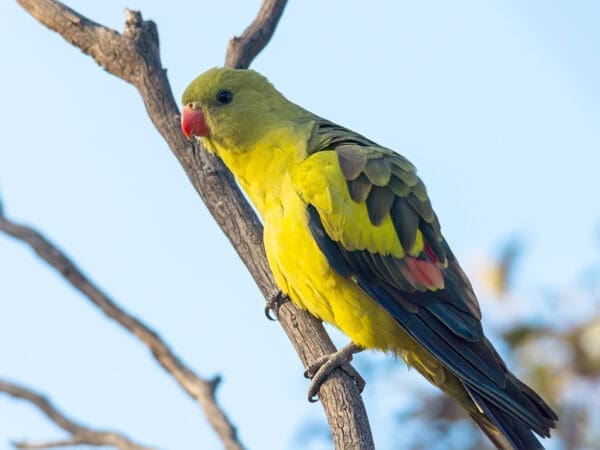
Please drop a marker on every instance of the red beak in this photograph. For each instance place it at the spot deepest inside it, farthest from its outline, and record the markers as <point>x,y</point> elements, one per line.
<point>193,123</point>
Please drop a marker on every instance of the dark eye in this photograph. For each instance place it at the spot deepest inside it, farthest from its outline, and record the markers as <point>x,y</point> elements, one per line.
<point>224,96</point>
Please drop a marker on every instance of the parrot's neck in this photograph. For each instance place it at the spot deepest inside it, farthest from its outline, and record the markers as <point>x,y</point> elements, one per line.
<point>262,169</point>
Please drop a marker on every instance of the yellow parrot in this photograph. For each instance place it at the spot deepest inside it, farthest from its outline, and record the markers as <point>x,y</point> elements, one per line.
<point>352,238</point>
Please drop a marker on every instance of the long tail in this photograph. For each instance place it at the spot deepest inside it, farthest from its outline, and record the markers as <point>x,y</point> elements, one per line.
<point>514,428</point>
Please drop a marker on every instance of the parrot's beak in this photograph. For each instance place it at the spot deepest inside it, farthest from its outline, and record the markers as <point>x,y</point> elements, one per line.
<point>193,122</point>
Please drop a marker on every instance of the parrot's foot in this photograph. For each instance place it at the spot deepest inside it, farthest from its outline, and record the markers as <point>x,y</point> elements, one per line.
<point>320,369</point>
<point>276,299</point>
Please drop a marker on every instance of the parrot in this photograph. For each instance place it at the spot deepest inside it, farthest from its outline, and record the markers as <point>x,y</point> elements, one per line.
<point>351,237</point>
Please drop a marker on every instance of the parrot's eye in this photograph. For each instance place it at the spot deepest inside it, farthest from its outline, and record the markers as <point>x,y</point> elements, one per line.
<point>224,96</point>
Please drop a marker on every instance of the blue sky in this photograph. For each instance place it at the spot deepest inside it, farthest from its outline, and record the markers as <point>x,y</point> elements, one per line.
<point>497,103</point>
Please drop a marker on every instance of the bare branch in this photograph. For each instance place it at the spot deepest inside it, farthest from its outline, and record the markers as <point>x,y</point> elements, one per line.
<point>80,434</point>
<point>201,390</point>
<point>242,50</point>
<point>134,57</point>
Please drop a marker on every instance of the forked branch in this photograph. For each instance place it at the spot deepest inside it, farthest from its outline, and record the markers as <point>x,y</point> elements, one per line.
<point>203,391</point>
<point>134,57</point>
<point>79,434</point>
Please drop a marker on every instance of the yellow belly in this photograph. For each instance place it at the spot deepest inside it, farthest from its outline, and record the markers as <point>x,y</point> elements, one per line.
<point>304,274</point>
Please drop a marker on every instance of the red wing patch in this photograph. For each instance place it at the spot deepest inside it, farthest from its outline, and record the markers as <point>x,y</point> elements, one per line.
<point>425,273</point>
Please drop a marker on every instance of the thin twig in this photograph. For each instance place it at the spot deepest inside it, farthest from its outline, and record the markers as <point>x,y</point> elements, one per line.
<point>201,390</point>
<point>134,57</point>
<point>242,50</point>
<point>80,434</point>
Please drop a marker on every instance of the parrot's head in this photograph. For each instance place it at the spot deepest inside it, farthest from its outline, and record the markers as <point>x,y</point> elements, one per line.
<point>232,108</point>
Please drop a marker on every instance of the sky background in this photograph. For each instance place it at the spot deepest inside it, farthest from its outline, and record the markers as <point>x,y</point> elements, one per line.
<point>497,103</point>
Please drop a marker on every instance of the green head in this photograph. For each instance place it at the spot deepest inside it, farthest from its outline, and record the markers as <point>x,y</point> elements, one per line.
<point>233,108</point>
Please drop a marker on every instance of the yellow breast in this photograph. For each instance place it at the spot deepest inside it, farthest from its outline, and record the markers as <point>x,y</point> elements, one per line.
<point>274,175</point>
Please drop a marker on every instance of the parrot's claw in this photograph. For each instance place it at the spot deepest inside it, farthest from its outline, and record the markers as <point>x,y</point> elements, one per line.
<point>274,302</point>
<point>320,369</point>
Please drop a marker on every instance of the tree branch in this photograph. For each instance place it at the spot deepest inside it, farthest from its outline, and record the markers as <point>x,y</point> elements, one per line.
<point>80,434</point>
<point>134,57</point>
<point>242,50</point>
<point>203,391</point>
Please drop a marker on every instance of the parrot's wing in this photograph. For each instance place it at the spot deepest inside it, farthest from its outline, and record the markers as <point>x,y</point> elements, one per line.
<point>377,227</point>
<point>390,237</point>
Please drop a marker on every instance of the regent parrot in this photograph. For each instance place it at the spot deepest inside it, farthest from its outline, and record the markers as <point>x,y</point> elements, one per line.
<point>351,237</point>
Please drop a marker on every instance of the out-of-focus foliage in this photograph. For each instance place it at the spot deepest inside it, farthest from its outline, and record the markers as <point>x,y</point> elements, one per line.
<point>550,339</point>
<point>498,275</point>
